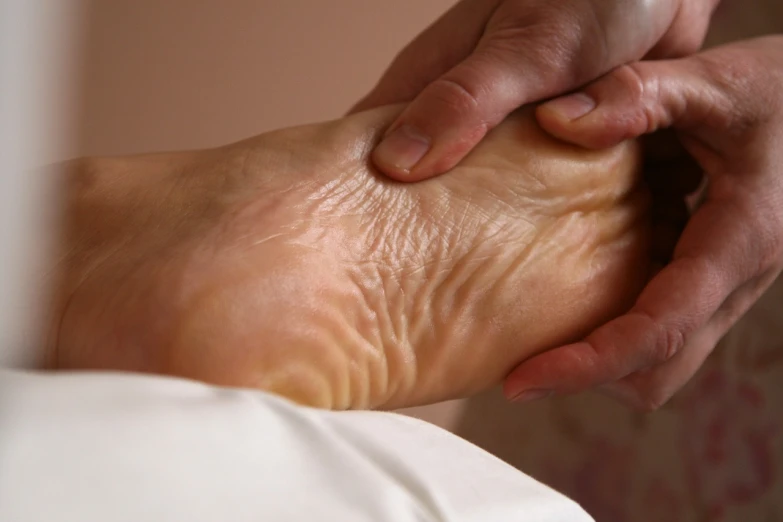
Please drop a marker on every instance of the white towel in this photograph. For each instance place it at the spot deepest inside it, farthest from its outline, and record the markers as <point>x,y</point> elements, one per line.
<point>102,447</point>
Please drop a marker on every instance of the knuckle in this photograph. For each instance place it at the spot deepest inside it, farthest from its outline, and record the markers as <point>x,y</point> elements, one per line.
<point>632,80</point>
<point>681,44</point>
<point>454,95</point>
<point>544,19</point>
<point>643,95</point>
<point>725,70</point>
<point>559,36</point>
<point>669,341</point>
<point>743,92</point>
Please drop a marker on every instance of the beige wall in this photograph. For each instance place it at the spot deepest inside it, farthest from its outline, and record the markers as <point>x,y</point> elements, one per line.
<point>163,74</point>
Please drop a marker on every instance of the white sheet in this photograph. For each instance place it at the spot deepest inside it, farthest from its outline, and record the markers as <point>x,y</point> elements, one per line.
<point>117,447</point>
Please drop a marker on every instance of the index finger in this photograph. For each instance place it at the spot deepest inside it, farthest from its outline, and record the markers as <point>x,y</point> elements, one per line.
<point>713,258</point>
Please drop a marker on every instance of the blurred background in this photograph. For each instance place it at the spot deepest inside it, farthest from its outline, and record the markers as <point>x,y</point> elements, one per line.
<point>172,74</point>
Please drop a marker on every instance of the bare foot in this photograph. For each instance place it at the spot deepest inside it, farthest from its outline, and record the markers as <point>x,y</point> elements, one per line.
<point>285,263</point>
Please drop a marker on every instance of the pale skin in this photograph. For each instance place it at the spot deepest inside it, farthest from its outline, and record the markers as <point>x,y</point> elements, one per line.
<point>286,263</point>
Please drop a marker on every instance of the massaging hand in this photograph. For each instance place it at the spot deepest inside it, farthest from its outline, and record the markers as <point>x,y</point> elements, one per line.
<point>485,58</point>
<point>285,263</point>
<point>727,108</point>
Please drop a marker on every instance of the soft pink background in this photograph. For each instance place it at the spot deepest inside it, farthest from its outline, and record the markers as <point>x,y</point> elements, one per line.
<point>162,74</point>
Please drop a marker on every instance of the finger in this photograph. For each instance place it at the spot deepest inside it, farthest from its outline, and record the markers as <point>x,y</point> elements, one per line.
<point>713,99</point>
<point>454,112</point>
<point>710,262</point>
<point>634,100</point>
<point>733,236</point>
<point>431,54</point>
<point>651,389</point>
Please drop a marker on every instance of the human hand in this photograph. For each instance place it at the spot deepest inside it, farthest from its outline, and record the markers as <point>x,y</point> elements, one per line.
<point>726,105</point>
<point>286,263</point>
<point>485,58</point>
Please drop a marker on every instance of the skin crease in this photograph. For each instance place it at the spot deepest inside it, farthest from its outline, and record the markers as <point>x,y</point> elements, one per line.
<point>286,263</point>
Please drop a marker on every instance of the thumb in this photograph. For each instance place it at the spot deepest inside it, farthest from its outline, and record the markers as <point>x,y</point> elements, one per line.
<point>449,117</point>
<point>454,112</point>
<point>636,99</point>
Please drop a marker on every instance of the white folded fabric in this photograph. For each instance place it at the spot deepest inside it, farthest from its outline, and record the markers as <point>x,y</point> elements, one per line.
<point>104,447</point>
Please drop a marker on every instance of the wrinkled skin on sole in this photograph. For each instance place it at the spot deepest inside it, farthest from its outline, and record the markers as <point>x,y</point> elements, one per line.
<point>285,263</point>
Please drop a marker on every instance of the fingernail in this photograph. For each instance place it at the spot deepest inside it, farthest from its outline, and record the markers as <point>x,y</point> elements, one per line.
<point>573,107</point>
<point>402,150</point>
<point>532,395</point>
